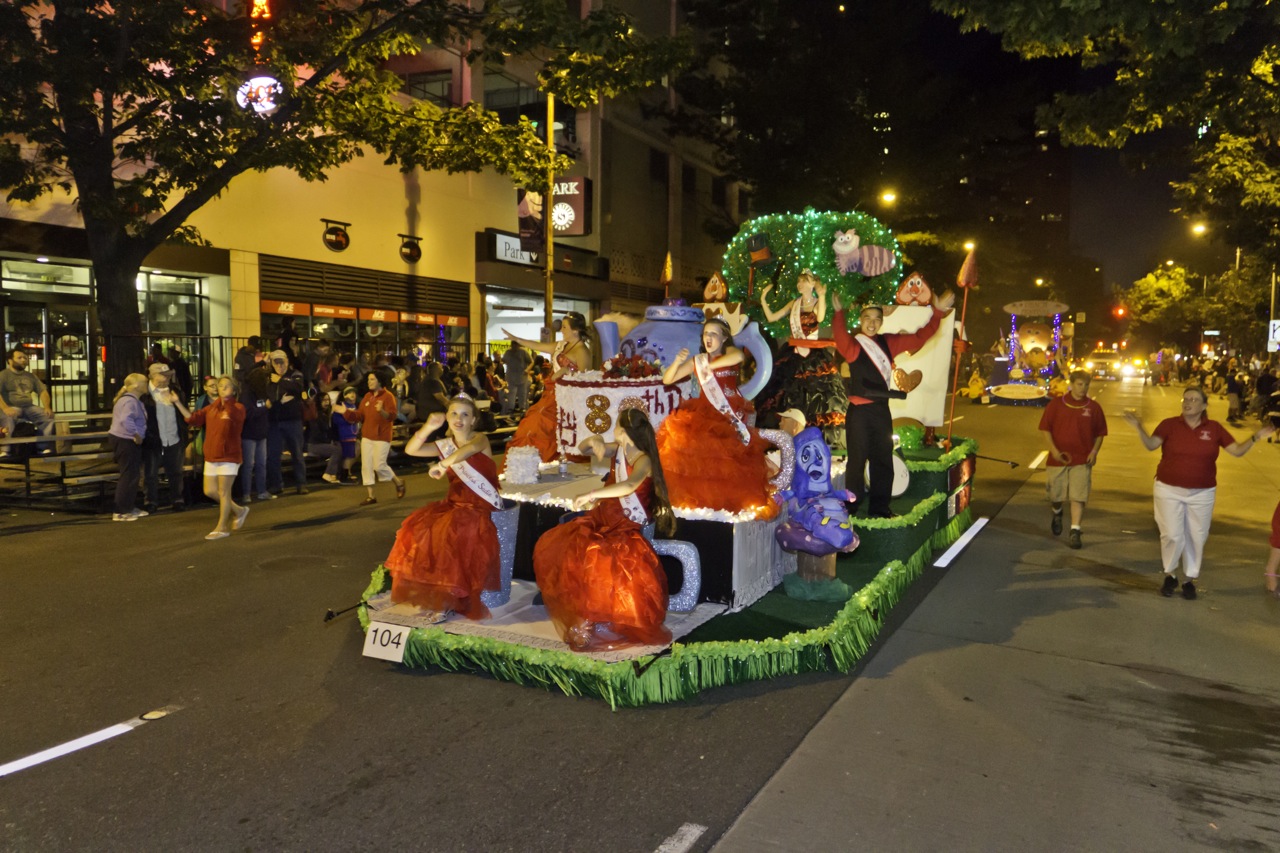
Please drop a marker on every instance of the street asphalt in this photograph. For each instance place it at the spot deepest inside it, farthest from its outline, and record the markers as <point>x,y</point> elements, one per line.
<point>1047,699</point>
<point>1026,697</point>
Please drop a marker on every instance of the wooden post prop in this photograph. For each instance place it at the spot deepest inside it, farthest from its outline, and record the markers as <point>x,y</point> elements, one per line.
<point>965,280</point>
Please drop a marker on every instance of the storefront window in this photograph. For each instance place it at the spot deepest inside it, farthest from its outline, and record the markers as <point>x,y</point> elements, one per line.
<point>171,305</point>
<point>521,313</point>
<point>45,277</point>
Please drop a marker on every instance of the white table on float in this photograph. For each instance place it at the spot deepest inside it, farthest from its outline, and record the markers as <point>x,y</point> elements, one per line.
<point>758,562</point>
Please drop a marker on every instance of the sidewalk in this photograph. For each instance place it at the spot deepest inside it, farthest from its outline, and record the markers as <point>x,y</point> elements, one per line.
<point>1047,699</point>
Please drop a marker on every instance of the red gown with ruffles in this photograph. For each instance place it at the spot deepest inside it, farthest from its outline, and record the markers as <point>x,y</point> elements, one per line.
<point>538,427</point>
<point>447,552</point>
<point>705,463</point>
<point>599,568</point>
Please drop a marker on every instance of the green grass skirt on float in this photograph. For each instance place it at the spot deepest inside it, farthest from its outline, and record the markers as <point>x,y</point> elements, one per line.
<point>776,636</point>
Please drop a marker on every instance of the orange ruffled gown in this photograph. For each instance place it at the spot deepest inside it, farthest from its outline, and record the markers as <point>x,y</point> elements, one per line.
<point>447,552</point>
<point>538,427</point>
<point>706,464</point>
<point>599,568</point>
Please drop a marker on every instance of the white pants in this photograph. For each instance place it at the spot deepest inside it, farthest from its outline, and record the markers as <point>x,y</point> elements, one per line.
<point>373,461</point>
<point>1183,516</point>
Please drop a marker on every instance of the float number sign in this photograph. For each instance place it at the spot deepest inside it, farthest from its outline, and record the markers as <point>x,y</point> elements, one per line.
<point>385,641</point>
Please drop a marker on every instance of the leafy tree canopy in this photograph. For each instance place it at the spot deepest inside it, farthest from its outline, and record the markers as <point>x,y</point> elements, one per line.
<point>133,104</point>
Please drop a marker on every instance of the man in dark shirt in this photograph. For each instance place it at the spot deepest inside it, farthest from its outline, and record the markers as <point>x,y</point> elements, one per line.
<point>247,357</point>
<point>430,393</point>
<point>284,396</point>
<point>868,421</point>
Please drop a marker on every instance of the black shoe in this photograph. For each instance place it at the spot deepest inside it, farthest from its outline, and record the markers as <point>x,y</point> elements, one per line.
<point>1189,590</point>
<point>1170,584</point>
<point>888,513</point>
<point>179,507</point>
<point>303,490</point>
<point>1055,524</point>
<point>1073,539</point>
<point>150,508</point>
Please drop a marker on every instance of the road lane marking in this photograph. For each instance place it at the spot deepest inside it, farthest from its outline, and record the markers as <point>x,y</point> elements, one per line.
<point>960,544</point>
<point>1035,463</point>
<point>683,839</point>
<point>85,741</point>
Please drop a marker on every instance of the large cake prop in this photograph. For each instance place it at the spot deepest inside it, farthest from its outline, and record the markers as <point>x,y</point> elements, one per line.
<point>589,402</point>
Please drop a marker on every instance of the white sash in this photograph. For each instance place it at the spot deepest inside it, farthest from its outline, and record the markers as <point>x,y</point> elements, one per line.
<point>631,505</point>
<point>797,329</point>
<point>715,395</point>
<point>473,479</point>
<point>878,357</point>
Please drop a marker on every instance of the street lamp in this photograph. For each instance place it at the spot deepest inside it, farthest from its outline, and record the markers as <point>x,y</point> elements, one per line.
<point>969,245</point>
<point>1199,228</point>
<point>888,197</point>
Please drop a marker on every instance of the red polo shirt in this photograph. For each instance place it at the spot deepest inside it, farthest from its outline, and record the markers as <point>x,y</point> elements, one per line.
<point>1075,425</point>
<point>1188,457</point>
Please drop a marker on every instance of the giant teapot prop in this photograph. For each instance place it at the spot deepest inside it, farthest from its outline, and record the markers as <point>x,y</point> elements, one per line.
<point>667,329</point>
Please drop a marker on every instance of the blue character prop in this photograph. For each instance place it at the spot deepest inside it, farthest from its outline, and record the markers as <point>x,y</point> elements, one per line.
<point>818,518</point>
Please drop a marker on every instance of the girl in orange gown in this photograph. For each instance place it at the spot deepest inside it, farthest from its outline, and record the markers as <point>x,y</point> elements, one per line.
<point>446,553</point>
<point>602,583</point>
<point>570,354</point>
<point>712,459</point>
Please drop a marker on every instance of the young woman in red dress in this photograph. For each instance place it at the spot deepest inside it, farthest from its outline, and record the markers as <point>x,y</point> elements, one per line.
<point>570,354</point>
<point>711,457</point>
<point>602,583</point>
<point>446,553</point>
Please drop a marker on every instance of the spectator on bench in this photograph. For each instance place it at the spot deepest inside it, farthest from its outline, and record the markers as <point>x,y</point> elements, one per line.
<point>24,397</point>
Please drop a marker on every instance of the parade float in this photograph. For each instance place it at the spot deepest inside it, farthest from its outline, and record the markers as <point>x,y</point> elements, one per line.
<point>733,614</point>
<point>1039,352</point>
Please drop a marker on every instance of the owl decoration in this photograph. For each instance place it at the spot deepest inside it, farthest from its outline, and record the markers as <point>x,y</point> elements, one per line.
<point>852,256</point>
<point>914,291</point>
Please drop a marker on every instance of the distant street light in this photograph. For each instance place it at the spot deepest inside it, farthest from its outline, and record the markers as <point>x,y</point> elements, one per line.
<point>1039,282</point>
<point>969,245</point>
<point>1168,263</point>
<point>888,196</point>
<point>1199,228</point>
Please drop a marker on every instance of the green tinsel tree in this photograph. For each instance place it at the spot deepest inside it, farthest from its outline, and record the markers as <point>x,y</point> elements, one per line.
<point>800,241</point>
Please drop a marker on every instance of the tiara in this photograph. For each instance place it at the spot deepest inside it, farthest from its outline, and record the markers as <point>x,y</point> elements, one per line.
<point>462,395</point>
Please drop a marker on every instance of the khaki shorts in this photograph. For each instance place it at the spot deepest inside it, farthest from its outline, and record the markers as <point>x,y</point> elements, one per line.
<point>1069,482</point>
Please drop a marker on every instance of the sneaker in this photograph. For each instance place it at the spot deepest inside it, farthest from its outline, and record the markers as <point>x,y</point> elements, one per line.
<point>124,516</point>
<point>1073,539</point>
<point>1189,590</point>
<point>267,496</point>
<point>140,513</point>
<point>1055,524</point>
<point>1170,584</point>
<point>329,478</point>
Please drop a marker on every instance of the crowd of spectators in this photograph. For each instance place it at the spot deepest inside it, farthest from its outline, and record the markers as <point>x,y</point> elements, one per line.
<point>294,393</point>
